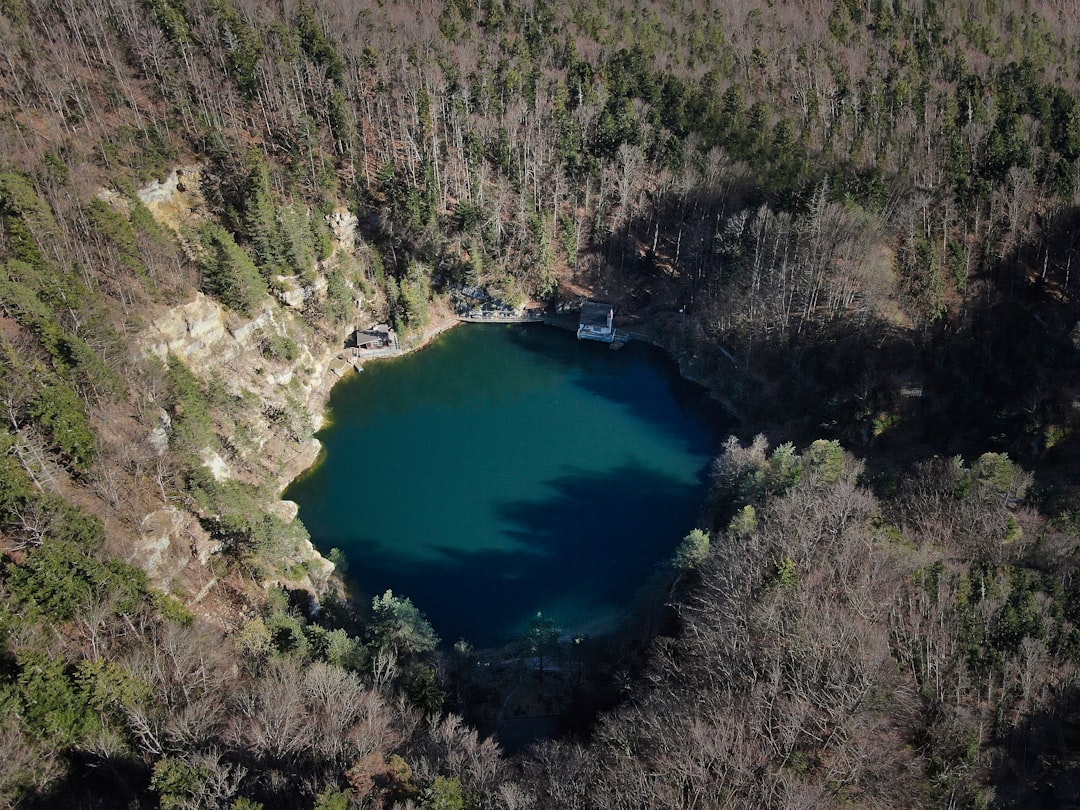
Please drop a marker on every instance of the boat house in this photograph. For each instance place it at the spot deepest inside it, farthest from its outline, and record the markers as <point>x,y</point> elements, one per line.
<point>379,336</point>
<point>596,322</point>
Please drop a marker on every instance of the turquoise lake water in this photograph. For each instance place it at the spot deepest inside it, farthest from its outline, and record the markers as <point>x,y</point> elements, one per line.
<point>510,469</point>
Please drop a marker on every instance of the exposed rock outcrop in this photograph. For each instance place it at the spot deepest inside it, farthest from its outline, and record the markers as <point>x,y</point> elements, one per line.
<point>343,225</point>
<point>170,539</point>
<point>279,399</point>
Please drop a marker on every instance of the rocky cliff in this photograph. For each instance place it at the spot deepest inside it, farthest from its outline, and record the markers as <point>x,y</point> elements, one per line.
<point>277,400</point>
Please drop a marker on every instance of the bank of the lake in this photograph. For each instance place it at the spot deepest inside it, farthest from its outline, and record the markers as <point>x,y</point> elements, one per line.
<point>507,470</point>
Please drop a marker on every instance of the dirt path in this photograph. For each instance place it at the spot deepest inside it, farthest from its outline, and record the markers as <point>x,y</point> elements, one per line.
<point>443,323</point>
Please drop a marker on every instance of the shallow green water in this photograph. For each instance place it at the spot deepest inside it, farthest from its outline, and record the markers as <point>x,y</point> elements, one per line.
<point>506,470</point>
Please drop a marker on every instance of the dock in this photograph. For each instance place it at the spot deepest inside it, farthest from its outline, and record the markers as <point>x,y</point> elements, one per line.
<point>569,320</point>
<point>501,316</point>
<point>342,363</point>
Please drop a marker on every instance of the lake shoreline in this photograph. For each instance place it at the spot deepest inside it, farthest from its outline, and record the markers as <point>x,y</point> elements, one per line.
<point>309,455</point>
<point>599,432</point>
<point>502,669</point>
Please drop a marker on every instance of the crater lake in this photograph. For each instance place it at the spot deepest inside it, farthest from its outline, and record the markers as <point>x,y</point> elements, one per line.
<point>506,470</point>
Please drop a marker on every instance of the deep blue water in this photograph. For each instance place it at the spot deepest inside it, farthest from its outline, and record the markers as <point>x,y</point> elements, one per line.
<point>506,470</point>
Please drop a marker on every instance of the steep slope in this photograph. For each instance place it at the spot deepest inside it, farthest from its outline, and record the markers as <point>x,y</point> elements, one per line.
<point>849,219</point>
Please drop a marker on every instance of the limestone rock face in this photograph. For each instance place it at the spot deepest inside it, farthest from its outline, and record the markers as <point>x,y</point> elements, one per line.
<point>286,510</point>
<point>266,433</point>
<point>294,293</point>
<point>189,331</point>
<point>159,436</point>
<point>213,461</point>
<point>170,540</point>
<point>343,224</point>
<point>178,180</point>
<point>176,203</point>
<point>274,369</point>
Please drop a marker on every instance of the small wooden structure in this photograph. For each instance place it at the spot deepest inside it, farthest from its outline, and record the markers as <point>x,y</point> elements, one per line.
<point>596,322</point>
<point>378,336</point>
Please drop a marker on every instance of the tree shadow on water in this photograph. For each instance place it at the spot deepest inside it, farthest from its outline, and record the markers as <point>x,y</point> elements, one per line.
<point>591,544</point>
<point>639,378</point>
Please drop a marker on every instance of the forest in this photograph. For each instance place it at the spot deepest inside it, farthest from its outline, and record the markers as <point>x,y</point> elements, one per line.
<point>853,221</point>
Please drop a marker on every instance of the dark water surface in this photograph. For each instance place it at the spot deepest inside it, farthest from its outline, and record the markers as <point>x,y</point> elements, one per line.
<point>506,470</point>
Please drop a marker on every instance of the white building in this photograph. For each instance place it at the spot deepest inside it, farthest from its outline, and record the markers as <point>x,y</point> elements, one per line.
<point>596,322</point>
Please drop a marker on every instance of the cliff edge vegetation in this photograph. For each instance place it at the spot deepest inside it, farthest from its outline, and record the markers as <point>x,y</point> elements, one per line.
<point>854,221</point>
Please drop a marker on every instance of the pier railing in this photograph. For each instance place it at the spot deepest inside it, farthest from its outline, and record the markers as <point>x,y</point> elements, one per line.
<point>501,316</point>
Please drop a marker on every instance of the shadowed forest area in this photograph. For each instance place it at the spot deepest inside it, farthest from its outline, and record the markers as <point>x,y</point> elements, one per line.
<point>854,221</point>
